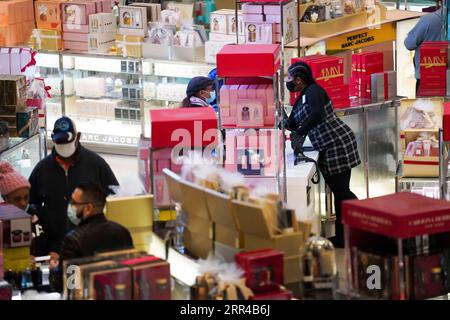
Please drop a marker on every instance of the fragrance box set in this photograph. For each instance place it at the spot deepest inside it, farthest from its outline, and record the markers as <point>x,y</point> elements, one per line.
<point>16,21</point>
<point>383,86</point>
<point>15,61</point>
<point>223,30</point>
<point>433,69</point>
<point>121,275</point>
<point>406,241</point>
<point>420,120</point>
<point>15,240</point>
<point>329,73</point>
<point>247,106</point>
<point>363,66</point>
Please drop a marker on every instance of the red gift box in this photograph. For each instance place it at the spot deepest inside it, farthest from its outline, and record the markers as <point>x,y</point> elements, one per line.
<point>433,57</point>
<point>446,122</point>
<point>263,269</point>
<point>341,104</point>
<point>402,215</point>
<point>112,284</point>
<point>252,60</point>
<point>431,92</point>
<point>151,277</point>
<point>183,127</point>
<point>341,91</point>
<point>276,295</point>
<point>327,70</point>
<point>6,291</point>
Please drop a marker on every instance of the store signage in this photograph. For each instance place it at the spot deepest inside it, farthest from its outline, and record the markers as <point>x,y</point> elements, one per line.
<point>109,139</point>
<point>362,38</point>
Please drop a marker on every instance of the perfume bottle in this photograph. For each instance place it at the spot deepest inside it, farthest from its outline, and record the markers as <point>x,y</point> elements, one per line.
<point>251,33</point>
<point>245,114</point>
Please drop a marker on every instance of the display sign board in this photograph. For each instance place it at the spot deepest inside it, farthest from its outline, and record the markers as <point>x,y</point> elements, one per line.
<point>110,139</point>
<point>362,38</point>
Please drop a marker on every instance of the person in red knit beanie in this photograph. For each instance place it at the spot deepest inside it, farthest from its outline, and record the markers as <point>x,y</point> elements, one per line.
<point>14,188</point>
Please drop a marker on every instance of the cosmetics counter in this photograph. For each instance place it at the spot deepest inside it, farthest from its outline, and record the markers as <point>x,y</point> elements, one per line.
<point>110,97</point>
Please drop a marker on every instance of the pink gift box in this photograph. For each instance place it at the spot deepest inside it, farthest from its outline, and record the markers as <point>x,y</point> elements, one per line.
<point>163,164</point>
<point>228,121</point>
<point>162,154</point>
<point>77,12</point>
<point>242,93</point>
<point>76,46</point>
<point>272,10</point>
<point>77,37</point>
<point>250,113</point>
<point>253,18</point>
<point>251,91</point>
<point>14,61</point>
<point>225,101</point>
<point>160,190</point>
<point>75,28</point>
<point>107,6</point>
<point>252,9</point>
<point>5,65</point>
<point>234,90</point>
<point>273,18</point>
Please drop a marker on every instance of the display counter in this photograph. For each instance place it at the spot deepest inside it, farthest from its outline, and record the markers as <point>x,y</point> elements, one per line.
<point>24,154</point>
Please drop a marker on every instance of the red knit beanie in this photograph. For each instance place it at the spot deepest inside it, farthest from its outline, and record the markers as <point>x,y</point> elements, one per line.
<point>11,180</point>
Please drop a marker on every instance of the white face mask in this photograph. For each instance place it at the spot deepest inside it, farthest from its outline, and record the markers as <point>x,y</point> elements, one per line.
<point>66,150</point>
<point>72,215</point>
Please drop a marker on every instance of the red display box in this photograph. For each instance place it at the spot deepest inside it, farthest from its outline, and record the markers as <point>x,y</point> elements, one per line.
<point>401,215</point>
<point>431,92</point>
<point>276,295</point>
<point>263,269</point>
<point>446,122</point>
<point>112,284</point>
<point>151,278</point>
<point>433,57</point>
<point>327,70</point>
<point>183,127</point>
<point>243,60</point>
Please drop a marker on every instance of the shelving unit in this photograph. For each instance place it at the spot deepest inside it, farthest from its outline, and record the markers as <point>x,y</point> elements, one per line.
<point>111,133</point>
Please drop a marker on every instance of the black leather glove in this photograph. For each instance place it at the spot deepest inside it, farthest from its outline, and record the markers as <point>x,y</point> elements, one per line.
<point>297,142</point>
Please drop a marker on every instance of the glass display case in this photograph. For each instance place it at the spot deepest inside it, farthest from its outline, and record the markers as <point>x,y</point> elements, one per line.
<point>24,154</point>
<point>109,97</point>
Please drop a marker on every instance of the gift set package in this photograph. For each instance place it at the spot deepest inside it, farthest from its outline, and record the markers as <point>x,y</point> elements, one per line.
<point>162,159</point>
<point>363,66</point>
<point>133,21</point>
<point>384,86</point>
<point>49,14</point>
<point>247,106</point>
<point>328,71</point>
<point>46,39</point>
<point>375,228</point>
<point>433,69</point>
<point>16,227</point>
<point>16,21</point>
<point>13,100</point>
<point>15,61</point>
<point>420,120</point>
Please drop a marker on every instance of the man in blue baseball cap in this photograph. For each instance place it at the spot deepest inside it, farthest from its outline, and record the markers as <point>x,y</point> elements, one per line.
<point>54,179</point>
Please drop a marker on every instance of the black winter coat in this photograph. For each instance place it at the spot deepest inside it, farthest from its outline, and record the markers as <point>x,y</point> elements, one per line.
<point>52,188</point>
<point>93,235</point>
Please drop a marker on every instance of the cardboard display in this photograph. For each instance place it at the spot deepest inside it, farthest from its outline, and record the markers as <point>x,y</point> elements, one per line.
<point>194,200</point>
<point>131,212</point>
<point>173,183</point>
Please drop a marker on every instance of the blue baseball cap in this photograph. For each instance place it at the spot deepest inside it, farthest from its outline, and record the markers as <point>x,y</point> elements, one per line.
<point>64,131</point>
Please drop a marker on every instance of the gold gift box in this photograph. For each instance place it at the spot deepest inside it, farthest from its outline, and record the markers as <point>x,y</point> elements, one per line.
<point>129,46</point>
<point>131,212</point>
<point>42,39</point>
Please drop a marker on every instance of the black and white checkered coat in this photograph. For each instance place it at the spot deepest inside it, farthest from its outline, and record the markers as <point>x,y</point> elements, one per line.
<point>329,135</point>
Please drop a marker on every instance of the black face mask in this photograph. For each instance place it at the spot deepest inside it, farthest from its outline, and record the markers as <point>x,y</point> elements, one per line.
<point>291,86</point>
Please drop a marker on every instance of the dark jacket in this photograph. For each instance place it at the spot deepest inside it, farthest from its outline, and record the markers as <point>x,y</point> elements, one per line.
<point>313,115</point>
<point>52,187</point>
<point>93,235</point>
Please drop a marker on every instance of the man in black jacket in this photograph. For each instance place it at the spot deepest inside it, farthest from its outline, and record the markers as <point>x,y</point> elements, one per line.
<point>54,179</point>
<point>94,232</point>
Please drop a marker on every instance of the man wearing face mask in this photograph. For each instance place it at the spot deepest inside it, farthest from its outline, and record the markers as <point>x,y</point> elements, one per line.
<point>94,233</point>
<point>199,93</point>
<point>55,177</point>
<point>313,115</point>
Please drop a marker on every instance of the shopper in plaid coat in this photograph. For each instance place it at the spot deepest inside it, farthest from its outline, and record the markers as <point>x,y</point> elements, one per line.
<point>313,115</point>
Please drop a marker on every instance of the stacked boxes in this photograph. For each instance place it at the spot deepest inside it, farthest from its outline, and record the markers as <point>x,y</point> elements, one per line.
<point>433,67</point>
<point>49,22</point>
<point>14,60</point>
<point>102,32</point>
<point>76,24</point>
<point>363,66</point>
<point>133,28</point>
<point>329,74</point>
<point>135,214</point>
<point>16,230</point>
<point>247,106</point>
<point>223,30</point>
<point>12,100</point>
<point>162,159</point>
<point>16,21</point>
